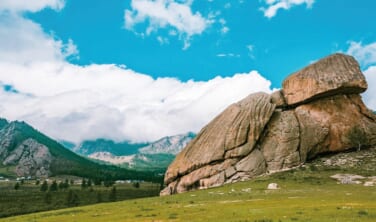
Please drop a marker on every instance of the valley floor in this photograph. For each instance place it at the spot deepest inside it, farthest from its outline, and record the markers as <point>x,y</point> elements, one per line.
<point>306,194</point>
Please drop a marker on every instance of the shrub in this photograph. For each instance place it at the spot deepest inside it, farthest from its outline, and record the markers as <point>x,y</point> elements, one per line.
<point>44,186</point>
<point>17,186</point>
<point>53,186</point>
<point>357,137</point>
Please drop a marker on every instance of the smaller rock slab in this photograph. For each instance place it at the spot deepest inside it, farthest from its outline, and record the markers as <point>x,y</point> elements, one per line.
<point>335,74</point>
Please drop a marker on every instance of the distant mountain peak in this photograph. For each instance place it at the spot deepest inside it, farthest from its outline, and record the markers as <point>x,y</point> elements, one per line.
<point>154,156</point>
<point>89,147</point>
<point>109,157</point>
<point>168,145</point>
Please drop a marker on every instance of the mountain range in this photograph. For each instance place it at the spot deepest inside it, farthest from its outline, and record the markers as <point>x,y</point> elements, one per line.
<point>25,152</point>
<point>154,156</point>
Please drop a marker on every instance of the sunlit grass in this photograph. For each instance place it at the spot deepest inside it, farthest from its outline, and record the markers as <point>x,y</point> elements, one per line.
<point>301,198</point>
<point>307,194</point>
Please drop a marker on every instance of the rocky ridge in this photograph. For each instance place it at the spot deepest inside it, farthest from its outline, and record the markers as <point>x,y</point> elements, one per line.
<point>156,156</point>
<point>313,113</point>
<point>29,156</point>
<point>168,145</point>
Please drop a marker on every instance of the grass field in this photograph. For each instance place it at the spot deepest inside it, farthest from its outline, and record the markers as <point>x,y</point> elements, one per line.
<point>28,198</point>
<point>307,194</point>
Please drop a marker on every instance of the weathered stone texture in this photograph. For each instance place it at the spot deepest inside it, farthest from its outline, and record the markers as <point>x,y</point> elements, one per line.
<point>280,146</point>
<point>312,114</point>
<point>240,125</point>
<point>335,74</point>
<point>30,158</point>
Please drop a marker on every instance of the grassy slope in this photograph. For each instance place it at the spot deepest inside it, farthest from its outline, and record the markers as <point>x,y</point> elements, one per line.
<point>306,194</point>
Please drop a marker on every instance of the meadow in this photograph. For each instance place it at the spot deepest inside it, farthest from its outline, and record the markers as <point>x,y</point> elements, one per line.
<point>306,193</point>
<point>29,198</point>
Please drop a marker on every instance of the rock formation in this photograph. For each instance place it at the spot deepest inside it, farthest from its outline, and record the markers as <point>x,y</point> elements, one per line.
<point>28,156</point>
<point>312,114</point>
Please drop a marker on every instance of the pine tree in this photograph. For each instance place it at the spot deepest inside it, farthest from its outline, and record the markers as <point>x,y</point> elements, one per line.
<point>17,186</point>
<point>83,184</point>
<point>61,185</point>
<point>97,182</point>
<point>136,185</point>
<point>66,184</point>
<point>44,186</point>
<point>53,186</point>
<point>112,195</point>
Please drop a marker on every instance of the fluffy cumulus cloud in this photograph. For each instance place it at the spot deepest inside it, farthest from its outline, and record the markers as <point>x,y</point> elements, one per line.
<point>30,5</point>
<point>72,102</point>
<point>272,6</point>
<point>167,14</point>
<point>366,56</point>
<point>369,95</point>
<point>364,53</point>
<point>22,41</point>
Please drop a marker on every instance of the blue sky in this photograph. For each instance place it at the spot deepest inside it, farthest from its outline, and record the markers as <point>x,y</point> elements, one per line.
<point>141,69</point>
<point>280,45</point>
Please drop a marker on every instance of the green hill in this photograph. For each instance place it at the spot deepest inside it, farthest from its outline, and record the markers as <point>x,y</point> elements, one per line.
<point>64,162</point>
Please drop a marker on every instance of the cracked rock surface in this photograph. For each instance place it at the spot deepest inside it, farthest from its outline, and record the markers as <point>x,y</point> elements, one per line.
<point>312,114</point>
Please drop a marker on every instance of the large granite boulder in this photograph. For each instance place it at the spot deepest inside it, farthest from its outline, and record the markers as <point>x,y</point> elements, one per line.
<point>313,113</point>
<point>232,134</point>
<point>335,74</point>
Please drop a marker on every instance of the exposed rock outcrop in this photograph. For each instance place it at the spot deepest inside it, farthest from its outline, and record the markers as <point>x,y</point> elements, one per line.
<point>312,114</point>
<point>232,134</point>
<point>30,158</point>
<point>335,74</point>
<point>23,152</point>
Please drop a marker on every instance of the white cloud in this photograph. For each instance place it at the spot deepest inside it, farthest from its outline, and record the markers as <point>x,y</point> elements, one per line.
<point>74,103</point>
<point>250,51</point>
<point>70,50</point>
<point>272,6</point>
<point>365,54</point>
<point>228,55</point>
<point>224,28</point>
<point>162,40</point>
<point>370,95</point>
<point>167,14</point>
<point>30,5</point>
